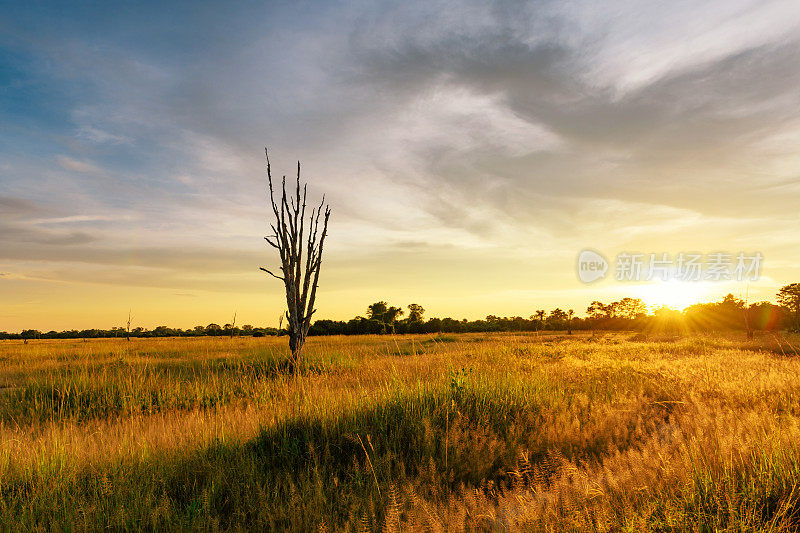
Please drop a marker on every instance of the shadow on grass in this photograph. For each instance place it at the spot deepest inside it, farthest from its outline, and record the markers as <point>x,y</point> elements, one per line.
<point>328,468</point>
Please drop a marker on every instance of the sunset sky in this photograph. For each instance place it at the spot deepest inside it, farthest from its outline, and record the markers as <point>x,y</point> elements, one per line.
<point>469,152</point>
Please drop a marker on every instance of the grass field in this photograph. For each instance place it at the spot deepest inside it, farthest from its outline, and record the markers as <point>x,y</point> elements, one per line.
<point>614,432</point>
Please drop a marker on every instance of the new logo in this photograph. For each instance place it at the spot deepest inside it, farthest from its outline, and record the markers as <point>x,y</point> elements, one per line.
<point>591,266</point>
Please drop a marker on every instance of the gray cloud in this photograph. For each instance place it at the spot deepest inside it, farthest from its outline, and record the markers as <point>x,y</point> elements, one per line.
<point>17,207</point>
<point>690,130</point>
<point>18,226</point>
<point>11,235</point>
<point>209,260</point>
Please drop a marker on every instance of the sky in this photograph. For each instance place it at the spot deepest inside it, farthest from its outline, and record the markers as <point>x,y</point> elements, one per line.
<point>469,151</point>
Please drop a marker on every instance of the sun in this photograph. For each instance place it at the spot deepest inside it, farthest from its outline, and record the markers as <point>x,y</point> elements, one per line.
<point>673,293</point>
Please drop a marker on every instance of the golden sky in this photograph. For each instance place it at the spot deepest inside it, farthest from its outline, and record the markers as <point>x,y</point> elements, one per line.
<point>469,153</point>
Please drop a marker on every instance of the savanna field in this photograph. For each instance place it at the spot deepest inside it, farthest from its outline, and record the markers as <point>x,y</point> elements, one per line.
<point>490,432</point>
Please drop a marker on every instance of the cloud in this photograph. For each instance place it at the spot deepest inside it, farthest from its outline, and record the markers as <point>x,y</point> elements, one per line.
<point>16,207</point>
<point>20,226</point>
<point>83,167</point>
<point>100,136</point>
<point>79,218</point>
<point>655,139</point>
<point>519,128</point>
<point>196,260</point>
<point>14,236</point>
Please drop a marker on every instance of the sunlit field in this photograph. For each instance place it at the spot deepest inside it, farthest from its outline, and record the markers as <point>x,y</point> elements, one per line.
<point>606,432</point>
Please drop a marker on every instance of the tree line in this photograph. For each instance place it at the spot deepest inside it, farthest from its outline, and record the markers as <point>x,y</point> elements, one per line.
<point>730,313</point>
<point>211,330</point>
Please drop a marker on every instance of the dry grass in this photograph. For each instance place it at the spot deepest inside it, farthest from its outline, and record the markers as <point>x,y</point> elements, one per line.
<point>440,433</point>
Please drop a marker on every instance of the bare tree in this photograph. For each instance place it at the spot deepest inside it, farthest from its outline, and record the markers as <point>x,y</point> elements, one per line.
<point>746,313</point>
<point>300,255</point>
<point>128,327</point>
<point>233,325</point>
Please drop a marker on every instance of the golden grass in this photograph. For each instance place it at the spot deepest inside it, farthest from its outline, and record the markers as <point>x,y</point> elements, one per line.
<point>441,433</point>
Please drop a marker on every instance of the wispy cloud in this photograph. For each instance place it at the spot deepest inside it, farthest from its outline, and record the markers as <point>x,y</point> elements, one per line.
<point>83,167</point>
<point>99,136</point>
<point>80,218</point>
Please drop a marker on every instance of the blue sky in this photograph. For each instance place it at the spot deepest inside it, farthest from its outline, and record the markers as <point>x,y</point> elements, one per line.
<point>469,151</point>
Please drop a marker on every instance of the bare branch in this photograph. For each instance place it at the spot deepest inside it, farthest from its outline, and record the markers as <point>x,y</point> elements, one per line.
<point>271,274</point>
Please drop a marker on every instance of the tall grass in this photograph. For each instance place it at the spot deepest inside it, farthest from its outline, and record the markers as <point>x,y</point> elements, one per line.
<point>487,432</point>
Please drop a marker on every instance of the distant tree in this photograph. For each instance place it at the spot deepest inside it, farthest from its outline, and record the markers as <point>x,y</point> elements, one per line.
<point>377,310</point>
<point>163,331</point>
<point>570,314</point>
<point>765,315</point>
<point>729,313</point>
<point>732,301</point>
<point>789,297</point>
<point>384,314</point>
<point>328,327</point>
<point>629,308</point>
<point>599,310</point>
<point>231,329</point>
<point>557,315</point>
<point>433,325</point>
<point>733,311</point>
<point>538,319</point>
<point>360,325</point>
<point>392,315</point>
<point>415,312</point>
<point>28,334</point>
<point>451,325</point>
<point>667,320</point>
<point>415,321</point>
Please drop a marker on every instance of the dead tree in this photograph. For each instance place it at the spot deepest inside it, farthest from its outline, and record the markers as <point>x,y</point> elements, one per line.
<point>746,313</point>
<point>300,251</point>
